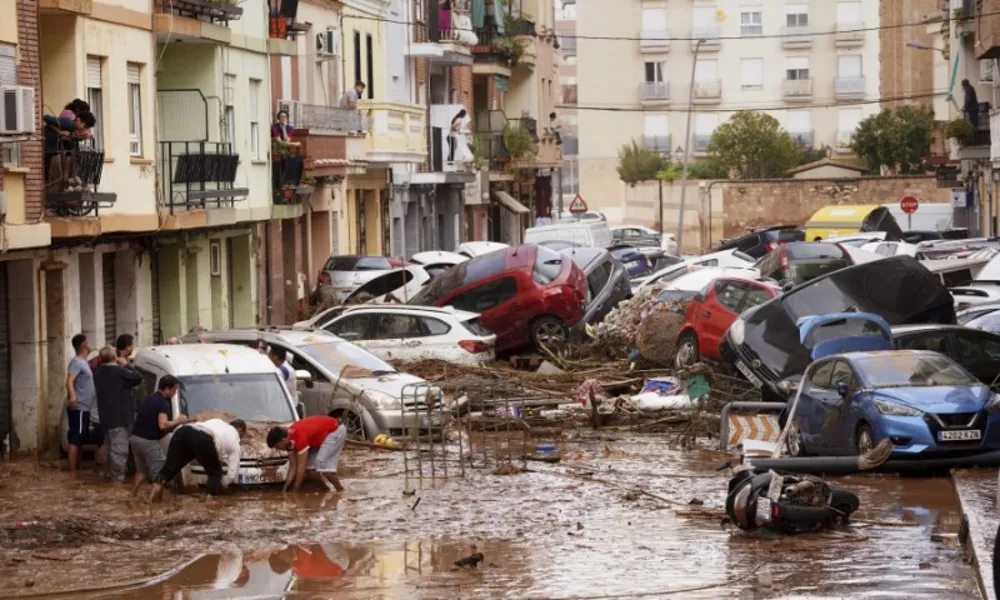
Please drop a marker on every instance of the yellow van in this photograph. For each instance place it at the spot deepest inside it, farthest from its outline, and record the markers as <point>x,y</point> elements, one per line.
<point>845,219</point>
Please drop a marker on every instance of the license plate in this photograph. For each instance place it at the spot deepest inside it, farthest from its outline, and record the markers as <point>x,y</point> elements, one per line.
<point>742,368</point>
<point>254,479</point>
<point>955,436</point>
<point>763,509</point>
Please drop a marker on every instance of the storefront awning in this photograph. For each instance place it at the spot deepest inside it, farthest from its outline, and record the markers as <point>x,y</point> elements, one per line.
<point>510,203</point>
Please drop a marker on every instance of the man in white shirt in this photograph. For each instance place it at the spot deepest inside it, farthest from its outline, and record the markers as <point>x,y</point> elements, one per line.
<point>210,443</point>
<point>279,357</point>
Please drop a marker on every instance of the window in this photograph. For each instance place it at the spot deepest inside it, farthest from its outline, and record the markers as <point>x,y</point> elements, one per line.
<point>705,20</point>
<point>598,278</point>
<point>797,15</point>
<point>849,65</point>
<point>841,374</point>
<point>755,297</point>
<point>357,56</point>
<point>978,348</point>
<point>936,342</point>
<point>705,123</point>
<point>391,327</point>
<point>821,375</point>
<point>436,326</point>
<point>751,22</point>
<point>95,97</point>
<point>10,154</point>
<point>798,121</point>
<point>566,11</point>
<point>849,118</point>
<point>848,13</point>
<point>706,70</point>
<point>255,118</point>
<point>486,296</point>
<point>132,76</point>
<point>353,327</point>
<point>548,265</point>
<point>654,19</point>
<point>655,131</point>
<point>370,55</point>
<point>729,294</point>
<point>797,67</point>
<point>752,73</point>
<point>229,110</point>
<point>654,72</point>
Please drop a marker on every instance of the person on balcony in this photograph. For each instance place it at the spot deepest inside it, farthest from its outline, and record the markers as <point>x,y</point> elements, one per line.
<point>971,104</point>
<point>353,96</point>
<point>62,138</point>
<point>75,108</point>
<point>457,146</point>
<point>282,130</point>
<point>444,19</point>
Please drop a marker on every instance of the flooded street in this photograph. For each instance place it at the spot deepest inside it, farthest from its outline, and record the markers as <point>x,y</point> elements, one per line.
<point>630,530</point>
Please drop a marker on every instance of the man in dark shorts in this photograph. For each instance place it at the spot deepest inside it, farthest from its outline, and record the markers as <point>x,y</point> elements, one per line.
<point>81,400</point>
<point>152,422</point>
<point>313,443</point>
<point>209,442</point>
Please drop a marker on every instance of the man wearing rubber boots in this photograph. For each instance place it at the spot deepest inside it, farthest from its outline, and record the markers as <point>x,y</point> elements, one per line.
<point>210,443</point>
<point>313,443</point>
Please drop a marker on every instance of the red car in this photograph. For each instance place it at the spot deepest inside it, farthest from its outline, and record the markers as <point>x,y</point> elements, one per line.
<point>524,294</point>
<point>713,310</point>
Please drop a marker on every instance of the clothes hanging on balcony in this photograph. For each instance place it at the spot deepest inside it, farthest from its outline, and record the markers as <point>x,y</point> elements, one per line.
<point>499,15</point>
<point>478,13</point>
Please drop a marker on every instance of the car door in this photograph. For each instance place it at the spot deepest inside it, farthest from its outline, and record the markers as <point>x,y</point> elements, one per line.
<point>979,353</point>
<point>718,313</point>
<point>810,412</point>
<point>933,340</point>
<point>499,308</point>
<point>840,419</point>
<point>357,328</point>
<point>398,336</point>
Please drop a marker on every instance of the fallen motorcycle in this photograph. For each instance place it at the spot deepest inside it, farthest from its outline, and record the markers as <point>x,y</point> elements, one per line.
<point>786,502</point>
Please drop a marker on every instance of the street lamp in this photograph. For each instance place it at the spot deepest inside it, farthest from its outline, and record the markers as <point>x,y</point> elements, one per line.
<point>687,147</point>
<point>679,154</point>
<point>922,46</point>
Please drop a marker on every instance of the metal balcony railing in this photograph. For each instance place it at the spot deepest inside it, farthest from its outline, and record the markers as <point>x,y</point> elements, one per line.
<point>844,139</point>
<point>287,166</point>
<point>805,138</point>
<point>701,142</point>
<point>849,87</point>
<point>657,143</point>
<point>654,39</point>
<point>849,34</point>
<point>214,11</point>
<point>199,174</point>
<point>797,88</point>
<point>72,175</point>
<point>317,117</point>
<point>654,90</point>
<point>709,89</point>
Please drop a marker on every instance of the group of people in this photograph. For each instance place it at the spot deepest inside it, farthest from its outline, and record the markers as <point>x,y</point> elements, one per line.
<point>63,135</point>
<point>100,412</point>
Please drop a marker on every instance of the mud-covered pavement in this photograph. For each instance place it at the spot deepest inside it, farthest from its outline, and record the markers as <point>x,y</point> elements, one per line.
<point>549,533</point>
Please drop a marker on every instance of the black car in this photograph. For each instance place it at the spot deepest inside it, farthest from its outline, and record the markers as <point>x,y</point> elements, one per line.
<point>977,351</point>
<point>798,262</point>
<point>607,284</point>
<point>759,242</point>
<point>763,344</point>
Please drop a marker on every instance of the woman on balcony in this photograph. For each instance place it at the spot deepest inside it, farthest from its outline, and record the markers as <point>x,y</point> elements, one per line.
<point>281,130</point>
<point>444,19</point>
<point>458,147</point>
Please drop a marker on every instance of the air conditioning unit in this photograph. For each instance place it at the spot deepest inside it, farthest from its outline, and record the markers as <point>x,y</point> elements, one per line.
<point>17,110</point>
<point>328,43</point>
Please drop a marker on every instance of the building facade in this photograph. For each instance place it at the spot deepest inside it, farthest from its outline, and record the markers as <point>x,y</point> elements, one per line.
<point>567,115</point>
<point>813,66</point>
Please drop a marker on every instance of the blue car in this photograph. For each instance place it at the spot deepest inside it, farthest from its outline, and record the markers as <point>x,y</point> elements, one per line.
<point>924,402</point>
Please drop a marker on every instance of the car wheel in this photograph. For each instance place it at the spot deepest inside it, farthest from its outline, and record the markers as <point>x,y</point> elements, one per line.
<point>353,422</point>
<point>793,443</point>
<point>865,439</point>
<point>549,332</point>
<point>687,350</point>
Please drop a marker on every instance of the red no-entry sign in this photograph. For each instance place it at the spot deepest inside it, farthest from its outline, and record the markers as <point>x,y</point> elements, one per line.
<point>578,206</point>
<point>909,204</point>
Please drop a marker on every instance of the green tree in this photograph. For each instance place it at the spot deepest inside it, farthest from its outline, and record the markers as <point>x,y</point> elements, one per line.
<point>895,141</point>
<point>810,155</point>
<point>752,145</point>
<point>636,164</point>
<point>706,168</point>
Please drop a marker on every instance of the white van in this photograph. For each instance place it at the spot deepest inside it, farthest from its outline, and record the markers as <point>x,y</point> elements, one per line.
<point>589,234</point>
<point>229,379</point>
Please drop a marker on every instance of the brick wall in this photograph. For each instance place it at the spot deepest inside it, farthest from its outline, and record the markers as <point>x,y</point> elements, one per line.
<point>906,71</point>
<point>29,73</point>
<point>461,80</point>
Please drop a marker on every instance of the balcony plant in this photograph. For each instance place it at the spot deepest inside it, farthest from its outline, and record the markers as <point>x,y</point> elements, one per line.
<point>477,145</point>
<point>519,143</point>
<point>961,130</point>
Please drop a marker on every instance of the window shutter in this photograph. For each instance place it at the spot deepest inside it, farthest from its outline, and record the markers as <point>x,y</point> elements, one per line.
<point>797,63</point>
<point>132,73</point>
<point>94,78</point>
<point>254,98</point>
<point>229,93</point>
<point>8,65</point>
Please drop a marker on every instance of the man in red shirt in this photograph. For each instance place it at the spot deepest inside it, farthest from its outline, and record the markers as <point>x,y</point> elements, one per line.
<point>313,443</point>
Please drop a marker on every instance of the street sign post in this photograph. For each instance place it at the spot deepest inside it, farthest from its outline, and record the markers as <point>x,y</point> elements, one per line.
<point>909,205</point>
<point>578,206</point>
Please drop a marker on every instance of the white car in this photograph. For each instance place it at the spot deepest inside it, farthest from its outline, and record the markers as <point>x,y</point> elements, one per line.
<point>438,257</point>
<point>474,249</point>
<point>697,280</point>
<point>343,274</point>
<point>625,234</point>
<point>893,249</point>
<point>975,294</point>
<point>396,286</point>
<point>726,258</point>
<point>860,256</point>
<point>856,239</point>
<point>414,333</point>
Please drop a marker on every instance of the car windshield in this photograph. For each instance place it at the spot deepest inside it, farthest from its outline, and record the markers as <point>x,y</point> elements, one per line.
<point>843,328</point>
<point>906,369</point>
<point>814,250</point>
<point>340,357</point>
<point>548,265</point>
<point>988,322</point>
<point>251,397</point>
<point>803,271</point>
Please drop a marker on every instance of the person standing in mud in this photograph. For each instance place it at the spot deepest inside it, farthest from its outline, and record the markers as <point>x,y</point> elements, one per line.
<point>279,357</point>
<point>209,442</point>
<point>81,399</point>
<point>312,443</point>
<point>114,382</point>
<point>152,422</point>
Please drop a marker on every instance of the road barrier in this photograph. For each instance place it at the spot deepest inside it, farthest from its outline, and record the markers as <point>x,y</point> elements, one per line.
<point>736,428</point>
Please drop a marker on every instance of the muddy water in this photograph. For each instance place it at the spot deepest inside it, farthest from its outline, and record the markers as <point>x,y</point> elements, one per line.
<point>544,534</point>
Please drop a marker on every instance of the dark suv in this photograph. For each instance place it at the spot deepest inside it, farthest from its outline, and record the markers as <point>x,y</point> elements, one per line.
<point>759,242</point>
<point>798,262</point>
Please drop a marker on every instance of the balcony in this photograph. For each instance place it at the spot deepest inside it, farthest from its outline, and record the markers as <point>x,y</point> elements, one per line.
<point>327,119</point>
<point>844,140</point>
<point>702,142</point>
<point>803,138</point>
<point>328,153</point>
<point>66,7</point>
<point>708,91</point>
<point>73,176</point>
<point>708,35</point>
<point>653,41</point>
<point>796,37</point>
<point>194,20</point>
<point>797,90</point>
<point>461,168</point>
<point>199,175</point>
<point>657,143</point>
<point>287,171</point>
<point>505,147</point>
<point>491,54</point>
<point>849,88</point>
<point>568,45</point>
<point>452,46</point>
<point>397,132</point>
<point>655,92</point>
<point>979,147</point>
<point>849,35</point>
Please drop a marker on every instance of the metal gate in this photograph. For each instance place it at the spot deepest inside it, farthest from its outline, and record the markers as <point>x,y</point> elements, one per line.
<point>154,290</point>
<point>230,294</point>
<point>6,405</point>
<point>110,309</point>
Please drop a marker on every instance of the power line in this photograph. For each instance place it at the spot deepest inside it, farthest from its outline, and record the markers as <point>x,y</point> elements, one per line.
<point>795,106</point>
<point>695,39</point>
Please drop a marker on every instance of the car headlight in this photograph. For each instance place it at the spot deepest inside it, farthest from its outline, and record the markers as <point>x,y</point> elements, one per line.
<point>737,331</point>
<point>993,407</point>
<point>383,401</point>
<point>896,410</point>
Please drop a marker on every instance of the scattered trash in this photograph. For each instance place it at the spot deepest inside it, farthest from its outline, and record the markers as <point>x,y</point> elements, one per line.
<point>472,560</point>
<point>787,502</point>
<point>548,368</point>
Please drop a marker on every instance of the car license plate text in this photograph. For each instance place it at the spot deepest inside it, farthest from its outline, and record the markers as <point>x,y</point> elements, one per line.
<point>742,368</point>
<point>763,509</point>
<point>955,436</point>
<point>254,479</point>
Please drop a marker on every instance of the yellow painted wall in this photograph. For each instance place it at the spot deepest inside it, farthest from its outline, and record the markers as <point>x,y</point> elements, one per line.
<point>62,77</point>
<point>373,223</point>
<point>8,21</point>
<point>365,25</point>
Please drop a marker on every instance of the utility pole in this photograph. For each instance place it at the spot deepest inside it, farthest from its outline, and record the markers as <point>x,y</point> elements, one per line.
<point>687,150</point>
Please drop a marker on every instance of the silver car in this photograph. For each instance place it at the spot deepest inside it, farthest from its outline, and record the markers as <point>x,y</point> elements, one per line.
<point>341,275</point>
<point>366,393</point>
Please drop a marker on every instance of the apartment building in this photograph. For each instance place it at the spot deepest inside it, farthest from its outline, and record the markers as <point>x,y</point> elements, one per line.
<point>785,58</point>
<point>567,115</point>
